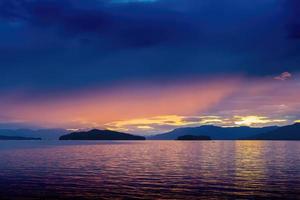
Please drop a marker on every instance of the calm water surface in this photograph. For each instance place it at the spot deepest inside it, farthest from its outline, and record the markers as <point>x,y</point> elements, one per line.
<point>149,170</point>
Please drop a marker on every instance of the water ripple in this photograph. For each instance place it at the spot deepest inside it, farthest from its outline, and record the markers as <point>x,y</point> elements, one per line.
<point>150,170</point>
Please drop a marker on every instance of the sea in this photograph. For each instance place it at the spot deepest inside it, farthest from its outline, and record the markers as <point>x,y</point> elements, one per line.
<point>149,170</point>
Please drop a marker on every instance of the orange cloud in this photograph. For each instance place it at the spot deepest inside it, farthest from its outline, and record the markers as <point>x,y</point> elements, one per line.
<point>256,121</point>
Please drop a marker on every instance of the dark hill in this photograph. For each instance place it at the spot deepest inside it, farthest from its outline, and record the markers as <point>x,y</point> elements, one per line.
<point>100,135</point>
<point>290,132</point>
<point>214,132</point>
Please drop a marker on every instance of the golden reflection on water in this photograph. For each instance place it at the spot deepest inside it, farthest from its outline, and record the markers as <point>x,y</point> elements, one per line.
<point>250,165</point>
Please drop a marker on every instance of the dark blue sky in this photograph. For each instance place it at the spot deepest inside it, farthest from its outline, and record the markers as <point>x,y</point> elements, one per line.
<point>56,45</point>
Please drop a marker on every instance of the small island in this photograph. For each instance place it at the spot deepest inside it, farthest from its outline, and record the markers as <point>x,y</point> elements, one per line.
<point>96,134</point>
<point>2,137</point>
<point>193,137</point>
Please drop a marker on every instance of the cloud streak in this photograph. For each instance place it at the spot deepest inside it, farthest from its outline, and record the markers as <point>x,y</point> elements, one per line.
<point>283,76</point>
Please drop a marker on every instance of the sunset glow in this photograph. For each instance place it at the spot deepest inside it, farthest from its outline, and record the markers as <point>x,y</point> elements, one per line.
<point>256,120</point>
<point>154,108</point>
<point>169,122</point>
<point>141,72</point>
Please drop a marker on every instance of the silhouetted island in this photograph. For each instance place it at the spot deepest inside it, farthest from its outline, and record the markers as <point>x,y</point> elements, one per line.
<point>193,137</point>
<point>2,137</point>
<point>290,132</point>
<point>96,134</point>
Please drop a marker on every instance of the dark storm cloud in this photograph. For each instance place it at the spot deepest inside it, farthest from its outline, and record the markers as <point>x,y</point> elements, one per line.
<point>130,25</point>
<point>55,45</point>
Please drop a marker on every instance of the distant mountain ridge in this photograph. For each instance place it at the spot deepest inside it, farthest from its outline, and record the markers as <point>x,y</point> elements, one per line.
<point>2,137</point>
<point>214,132</point>
<point>290,132</point>
<point>96,134</point>
<point>45,134</point>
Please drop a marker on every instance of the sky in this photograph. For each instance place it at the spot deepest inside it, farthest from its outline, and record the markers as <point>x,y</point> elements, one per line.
<point>149,66</point>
